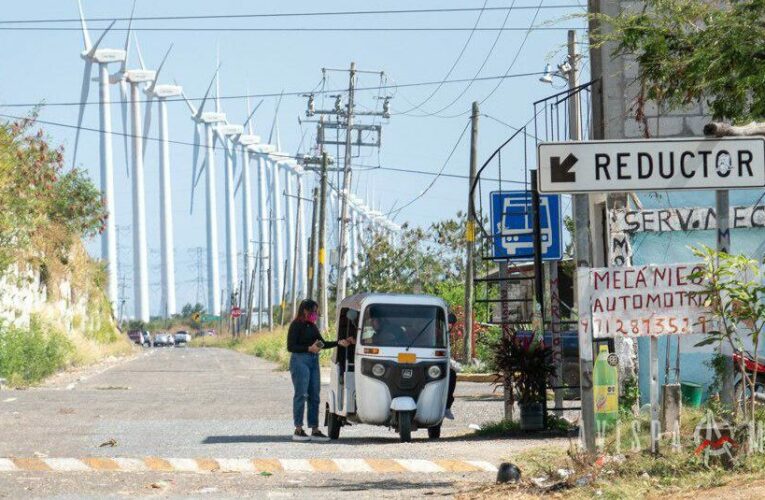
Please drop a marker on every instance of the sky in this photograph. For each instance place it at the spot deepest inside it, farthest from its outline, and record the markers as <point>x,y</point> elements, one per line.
<point>45,67</point>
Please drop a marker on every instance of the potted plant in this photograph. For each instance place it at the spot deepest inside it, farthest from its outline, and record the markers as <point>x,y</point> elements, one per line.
<point>524,366</point>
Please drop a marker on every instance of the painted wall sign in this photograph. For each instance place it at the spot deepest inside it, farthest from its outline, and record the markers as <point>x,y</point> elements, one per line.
<point>683,219</point>
<point>644,301</point>
<point>651,164</point>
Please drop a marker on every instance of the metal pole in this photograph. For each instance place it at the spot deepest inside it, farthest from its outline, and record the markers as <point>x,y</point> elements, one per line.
<point>539,276</point>
<point>166,215</point>
<point>264,225</point>
<point>470,238</point>
<point>343,260</point>
<point>504,294</point>
<point>581,212</point>
<point>140,264</point>
<point>722,203</point>
<point>301,257</point>
<point>247,235</point>
<point>312,244</point>
<point>231,267</point>
<point>289,235</point>
<point>269,297</point>
<point>277,242</point>
<point>321,278</point>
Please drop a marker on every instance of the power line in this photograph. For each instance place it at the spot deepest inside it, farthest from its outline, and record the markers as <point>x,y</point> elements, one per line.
<point>277,94</point>
<point>289,14</point>
<point>299,29</point>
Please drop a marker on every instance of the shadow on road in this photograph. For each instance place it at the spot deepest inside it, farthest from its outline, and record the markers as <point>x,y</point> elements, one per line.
<point>378,440</point>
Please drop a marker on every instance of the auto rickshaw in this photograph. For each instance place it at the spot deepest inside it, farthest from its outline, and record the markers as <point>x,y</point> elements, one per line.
<point>397,373</point>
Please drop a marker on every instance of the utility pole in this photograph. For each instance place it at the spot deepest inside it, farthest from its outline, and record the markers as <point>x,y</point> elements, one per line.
<point>581,212</point>
<point>312,243</point>
<point>346,121</point>
<point>321,281</point>
<point>298,237</point>
<point>470,237</point>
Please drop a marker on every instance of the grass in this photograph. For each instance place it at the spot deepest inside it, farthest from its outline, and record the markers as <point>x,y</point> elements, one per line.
<point>267,345</point>
<point>626,473</point>
<point>28,355</point>
<point>512,428</point>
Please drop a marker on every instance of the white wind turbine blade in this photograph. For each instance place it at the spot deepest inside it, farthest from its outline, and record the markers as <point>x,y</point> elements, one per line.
<point>276,113</point>
<point>124,97</point>
<point>85,34</point>
<point>123,66</point>
<point>150,100</point>
<point>138,51</point>
<point>207,93</point>
<point>85,89</point>
<point>194,164</point>
<point>217,80</point>
<point>83,99</point>
<point>248,123</point>
<point>188,103</point>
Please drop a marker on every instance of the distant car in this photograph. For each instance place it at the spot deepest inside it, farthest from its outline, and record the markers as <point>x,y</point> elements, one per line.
<point>140,337</point>
<point>182,338</point>
<point>163,340</point>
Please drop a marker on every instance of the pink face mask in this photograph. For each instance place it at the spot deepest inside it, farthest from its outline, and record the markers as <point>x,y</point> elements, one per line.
<point>312,317</point>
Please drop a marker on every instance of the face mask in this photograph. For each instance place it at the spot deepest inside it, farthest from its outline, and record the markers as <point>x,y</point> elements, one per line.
<point>312,317</point>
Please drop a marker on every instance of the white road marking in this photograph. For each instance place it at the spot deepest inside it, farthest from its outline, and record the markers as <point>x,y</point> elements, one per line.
<point>235,465</point>
<point>131,464</point>
<point>7,465</point>
<point>353,465</point>
<point>296,465</point>
<point>66,464</point>
<point>488,467</point>
<point>183,464</point>
<point>415,465</point>
<point>9,400</point>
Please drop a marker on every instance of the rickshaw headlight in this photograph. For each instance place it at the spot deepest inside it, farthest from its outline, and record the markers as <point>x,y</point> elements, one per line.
<point>434,371</point>
<point>378,370</point>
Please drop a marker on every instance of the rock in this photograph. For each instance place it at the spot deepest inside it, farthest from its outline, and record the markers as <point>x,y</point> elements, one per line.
<point>564,473</point>
<point>645,475</point>
<point>508,473</point>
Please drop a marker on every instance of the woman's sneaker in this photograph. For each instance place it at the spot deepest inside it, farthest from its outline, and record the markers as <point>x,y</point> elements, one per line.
<point>300,435</point>
<point>317,435</point>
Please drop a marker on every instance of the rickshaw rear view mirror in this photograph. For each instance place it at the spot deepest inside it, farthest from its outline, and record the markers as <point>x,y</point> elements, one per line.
<point>452,318</point>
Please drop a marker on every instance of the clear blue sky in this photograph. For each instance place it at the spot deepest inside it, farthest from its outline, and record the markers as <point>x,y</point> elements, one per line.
<point>46,66</point>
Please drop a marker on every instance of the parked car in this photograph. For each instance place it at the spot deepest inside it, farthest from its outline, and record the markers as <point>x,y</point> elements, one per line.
<point>163,339</point>
<point>182,338</point>
<point>140,337</point>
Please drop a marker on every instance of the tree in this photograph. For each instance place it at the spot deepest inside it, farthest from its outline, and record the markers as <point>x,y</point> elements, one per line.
<point>692,51</point>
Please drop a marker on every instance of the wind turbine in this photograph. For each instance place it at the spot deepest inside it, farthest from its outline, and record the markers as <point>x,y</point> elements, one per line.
<point>245,141</point>
<point>135,79</point>
<point>103,57</point>
<point>208,120</point>
<point>162,92</point>
<point>227,133</point>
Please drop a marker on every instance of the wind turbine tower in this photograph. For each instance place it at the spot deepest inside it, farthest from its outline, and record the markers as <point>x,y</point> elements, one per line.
<point>102,57</point>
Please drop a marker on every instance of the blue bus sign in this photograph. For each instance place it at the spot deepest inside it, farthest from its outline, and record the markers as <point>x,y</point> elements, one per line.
<point>512,226</point>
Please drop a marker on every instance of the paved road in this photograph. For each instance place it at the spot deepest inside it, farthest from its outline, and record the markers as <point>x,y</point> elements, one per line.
<point>170,410</point>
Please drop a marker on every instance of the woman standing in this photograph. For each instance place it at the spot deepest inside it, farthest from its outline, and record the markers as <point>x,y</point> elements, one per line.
<point>304,342</point>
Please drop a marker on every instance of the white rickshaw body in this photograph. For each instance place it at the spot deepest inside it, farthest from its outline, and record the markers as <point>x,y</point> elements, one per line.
<point>397,374</point>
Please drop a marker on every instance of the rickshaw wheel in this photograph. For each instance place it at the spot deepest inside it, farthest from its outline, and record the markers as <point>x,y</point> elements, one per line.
<point>405,426</point>
<point>434,432</point>
<point>333,426</point>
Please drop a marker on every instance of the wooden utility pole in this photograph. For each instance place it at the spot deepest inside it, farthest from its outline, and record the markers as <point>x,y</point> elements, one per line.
<point>470,238</point>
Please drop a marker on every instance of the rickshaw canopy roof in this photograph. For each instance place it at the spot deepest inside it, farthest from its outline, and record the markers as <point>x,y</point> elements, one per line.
<point>361,300</point>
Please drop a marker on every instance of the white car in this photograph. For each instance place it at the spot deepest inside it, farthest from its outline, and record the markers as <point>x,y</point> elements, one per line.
<point>182,338</point>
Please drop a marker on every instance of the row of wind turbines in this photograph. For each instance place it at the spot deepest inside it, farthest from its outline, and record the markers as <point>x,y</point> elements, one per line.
<point>281,242</point>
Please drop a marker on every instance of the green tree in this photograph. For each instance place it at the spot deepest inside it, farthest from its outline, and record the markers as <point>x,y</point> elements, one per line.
<point>692,51</point>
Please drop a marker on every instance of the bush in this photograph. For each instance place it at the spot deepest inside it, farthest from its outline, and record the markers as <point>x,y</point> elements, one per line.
<point>29,355</point>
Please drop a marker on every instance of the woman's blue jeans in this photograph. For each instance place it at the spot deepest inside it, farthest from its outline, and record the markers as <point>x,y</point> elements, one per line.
<point>306,379</point>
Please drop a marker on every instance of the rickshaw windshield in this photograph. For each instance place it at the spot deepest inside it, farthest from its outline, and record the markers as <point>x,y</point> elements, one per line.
<point>395,325</point>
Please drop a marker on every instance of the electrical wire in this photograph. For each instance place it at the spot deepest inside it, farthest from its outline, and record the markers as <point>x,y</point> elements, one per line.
<point>286,14</point>
<point>299,29</point>
<point>440,172</point>
<point>454,64</point>
<point>277,94</point>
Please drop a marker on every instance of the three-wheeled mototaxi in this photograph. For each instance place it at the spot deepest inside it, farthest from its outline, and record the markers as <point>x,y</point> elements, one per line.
<point>397,373</point>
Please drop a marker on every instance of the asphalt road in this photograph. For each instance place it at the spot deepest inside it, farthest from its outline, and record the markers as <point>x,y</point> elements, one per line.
<point>217,404</point>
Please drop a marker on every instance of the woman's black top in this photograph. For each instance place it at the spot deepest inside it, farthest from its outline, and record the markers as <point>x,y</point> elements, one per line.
<point>303,334</point>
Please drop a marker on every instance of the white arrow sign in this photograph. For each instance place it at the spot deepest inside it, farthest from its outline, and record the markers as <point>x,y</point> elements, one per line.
<point>651,165</point>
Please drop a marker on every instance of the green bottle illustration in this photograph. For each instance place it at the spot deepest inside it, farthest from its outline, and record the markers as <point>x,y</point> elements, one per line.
<point>605,389</point>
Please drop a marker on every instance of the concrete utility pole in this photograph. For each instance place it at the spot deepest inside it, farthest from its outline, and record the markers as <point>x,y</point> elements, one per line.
<point>343,259</point>
<point>322,270</point>
<point>470,237</point>
<point>312,244</point>
<point>346,121</point>
<point>583,245</point>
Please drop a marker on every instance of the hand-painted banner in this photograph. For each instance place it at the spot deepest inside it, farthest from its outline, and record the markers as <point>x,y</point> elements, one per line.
<point>644,301</point>
<point>683,219</point>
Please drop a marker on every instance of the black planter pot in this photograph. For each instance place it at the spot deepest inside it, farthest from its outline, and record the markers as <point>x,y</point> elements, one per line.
<point>532,417</point>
